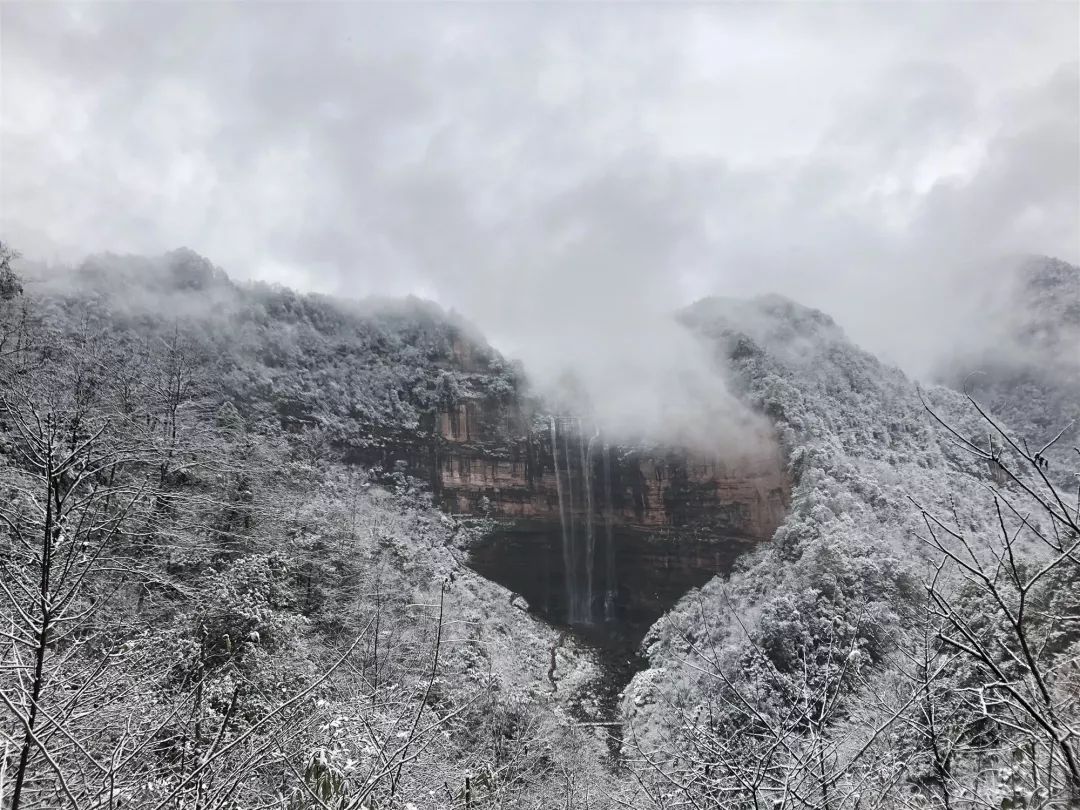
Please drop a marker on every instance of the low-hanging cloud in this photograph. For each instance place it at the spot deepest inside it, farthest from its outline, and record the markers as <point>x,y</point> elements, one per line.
<point>565,176</point>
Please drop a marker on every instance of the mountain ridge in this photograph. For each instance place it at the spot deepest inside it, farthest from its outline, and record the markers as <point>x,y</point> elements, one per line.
<point>324,422</point>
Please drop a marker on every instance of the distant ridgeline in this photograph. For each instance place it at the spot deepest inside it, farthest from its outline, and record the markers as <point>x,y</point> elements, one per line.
<point>357,376</point>
<point>1024,364</point>
<point>404,384</point>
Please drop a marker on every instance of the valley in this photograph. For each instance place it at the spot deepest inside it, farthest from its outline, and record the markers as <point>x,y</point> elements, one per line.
<point>356,534</point>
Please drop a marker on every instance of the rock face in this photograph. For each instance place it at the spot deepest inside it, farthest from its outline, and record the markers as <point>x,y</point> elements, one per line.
<point>497,460</point>
<point>600,537</point>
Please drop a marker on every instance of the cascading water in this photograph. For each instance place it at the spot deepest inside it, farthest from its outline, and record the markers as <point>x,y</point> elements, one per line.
<point>567,548</point>
<point>610,585</point>
<point>586,466</point>
<point>573,595</point>
<point>580,574</point>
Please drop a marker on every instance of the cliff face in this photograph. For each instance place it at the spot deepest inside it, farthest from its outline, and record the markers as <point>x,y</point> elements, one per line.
<point>598,534</point>
<point>496,459</point>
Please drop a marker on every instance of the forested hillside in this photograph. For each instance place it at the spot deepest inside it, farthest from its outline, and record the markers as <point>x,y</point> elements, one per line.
<point>203,605</point>
<point>216,594</point>
<point>353,374</point>
<point>910,637</point>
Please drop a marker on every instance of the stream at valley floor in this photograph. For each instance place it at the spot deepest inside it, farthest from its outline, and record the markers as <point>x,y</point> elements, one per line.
<point>606,594</point>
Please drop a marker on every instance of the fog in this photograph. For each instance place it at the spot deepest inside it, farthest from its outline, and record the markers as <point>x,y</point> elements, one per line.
<point>563,175</point>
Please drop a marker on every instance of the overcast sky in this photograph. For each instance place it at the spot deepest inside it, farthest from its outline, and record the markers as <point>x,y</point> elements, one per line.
<point>560,173</point>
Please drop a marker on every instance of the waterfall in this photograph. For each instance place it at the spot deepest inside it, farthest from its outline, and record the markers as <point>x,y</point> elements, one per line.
<point>567,550</point>
<point>573,594</point>
<point>586,466</point>
<point>610,586</point>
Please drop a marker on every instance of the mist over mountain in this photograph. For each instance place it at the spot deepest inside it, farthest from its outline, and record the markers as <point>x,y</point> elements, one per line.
<point>563,180</point>
<point>517,406</point>
<point>1024,360</point>
<point>316,453</point>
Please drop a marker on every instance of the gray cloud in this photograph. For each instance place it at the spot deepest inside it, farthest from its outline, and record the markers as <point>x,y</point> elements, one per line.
<point>562,174</point>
